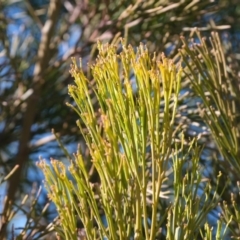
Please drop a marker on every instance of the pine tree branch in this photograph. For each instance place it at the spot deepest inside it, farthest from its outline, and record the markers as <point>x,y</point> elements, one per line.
<point>43,58</point>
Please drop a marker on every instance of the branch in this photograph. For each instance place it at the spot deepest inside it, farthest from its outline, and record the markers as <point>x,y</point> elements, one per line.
<point>31,109</point>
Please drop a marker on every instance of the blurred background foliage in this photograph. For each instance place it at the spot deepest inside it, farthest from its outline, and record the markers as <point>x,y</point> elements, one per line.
<point>37,40</point>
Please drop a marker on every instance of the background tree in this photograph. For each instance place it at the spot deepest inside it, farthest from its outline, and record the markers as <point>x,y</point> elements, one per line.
<point>37,39</point>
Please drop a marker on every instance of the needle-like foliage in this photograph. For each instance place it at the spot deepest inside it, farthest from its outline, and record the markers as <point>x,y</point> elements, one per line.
<point>217,84</point>
<point>133,149</point>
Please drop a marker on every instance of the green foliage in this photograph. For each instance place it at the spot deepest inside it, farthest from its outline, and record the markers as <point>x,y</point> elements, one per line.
<point>216,84</point>
<point>37,40</point>
<point>151,184</point>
